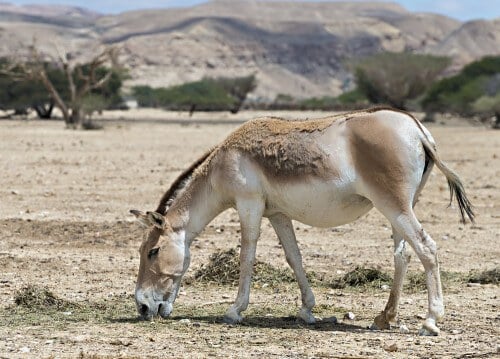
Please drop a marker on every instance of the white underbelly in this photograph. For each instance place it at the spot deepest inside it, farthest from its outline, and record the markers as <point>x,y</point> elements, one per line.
<point>317,203</point>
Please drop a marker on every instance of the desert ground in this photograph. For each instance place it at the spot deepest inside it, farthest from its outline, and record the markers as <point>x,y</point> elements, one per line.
<point>65,228</point>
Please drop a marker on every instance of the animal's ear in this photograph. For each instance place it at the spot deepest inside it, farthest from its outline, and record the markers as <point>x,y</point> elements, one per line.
<point>149,219</point>
<point>156,219</point>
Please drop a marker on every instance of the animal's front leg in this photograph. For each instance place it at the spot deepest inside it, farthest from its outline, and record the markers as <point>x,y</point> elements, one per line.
<point>250,213</point>
<point>284,229</point>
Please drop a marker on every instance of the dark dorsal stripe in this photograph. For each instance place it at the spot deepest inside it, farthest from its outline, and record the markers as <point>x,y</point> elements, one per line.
<point>179,184</point>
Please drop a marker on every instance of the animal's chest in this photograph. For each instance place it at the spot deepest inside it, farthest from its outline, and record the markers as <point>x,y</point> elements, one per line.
<point>317,203</point>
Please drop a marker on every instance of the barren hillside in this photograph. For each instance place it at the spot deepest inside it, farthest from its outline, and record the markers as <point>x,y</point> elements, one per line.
<point>295,48</point>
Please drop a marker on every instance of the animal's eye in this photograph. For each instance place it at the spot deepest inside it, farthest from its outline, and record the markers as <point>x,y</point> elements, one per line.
<point>153,252</point>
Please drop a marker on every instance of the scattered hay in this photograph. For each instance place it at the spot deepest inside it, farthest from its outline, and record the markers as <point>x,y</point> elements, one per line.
<point>224,268</point>
<point>34,297</point>
<point>491,276</point>
<point>362,277</point>
<point>415,281</point>
<point>266,273</point>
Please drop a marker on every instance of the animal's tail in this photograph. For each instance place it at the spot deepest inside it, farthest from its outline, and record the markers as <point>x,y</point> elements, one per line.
<point>454,183</point>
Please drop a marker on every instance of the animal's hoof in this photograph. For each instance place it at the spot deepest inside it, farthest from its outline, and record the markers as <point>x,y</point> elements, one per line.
<point>427,333</point>
<point>306,316</point>
<point>232,318</point>
<point>429,329</point>
<point>380,323</point>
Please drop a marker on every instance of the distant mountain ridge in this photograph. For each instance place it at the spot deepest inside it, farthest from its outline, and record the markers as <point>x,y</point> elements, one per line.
<point>300,49</point>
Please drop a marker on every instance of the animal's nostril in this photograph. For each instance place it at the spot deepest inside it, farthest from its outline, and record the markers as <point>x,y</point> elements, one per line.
<point>144,309</point>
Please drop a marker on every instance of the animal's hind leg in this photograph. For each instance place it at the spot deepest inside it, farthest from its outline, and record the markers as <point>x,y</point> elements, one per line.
<point>401,260</point>
<point>424,246</point>
<point>284,229</point>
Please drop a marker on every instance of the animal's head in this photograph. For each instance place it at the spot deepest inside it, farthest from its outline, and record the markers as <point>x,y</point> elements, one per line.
<point>164,259</point>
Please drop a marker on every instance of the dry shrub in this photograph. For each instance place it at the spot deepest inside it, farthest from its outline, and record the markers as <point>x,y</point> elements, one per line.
<point>224,268</point>
<point>491,276</point>
<point>362,277</point>
<point>39,298</point>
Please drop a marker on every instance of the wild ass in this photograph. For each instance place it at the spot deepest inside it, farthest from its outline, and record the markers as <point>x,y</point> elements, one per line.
<point>324,172</point>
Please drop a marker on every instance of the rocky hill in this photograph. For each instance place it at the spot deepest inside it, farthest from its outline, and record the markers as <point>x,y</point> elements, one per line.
<point>301,49</point>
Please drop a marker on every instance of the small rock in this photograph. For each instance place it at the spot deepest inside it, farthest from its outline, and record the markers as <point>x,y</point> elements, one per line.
<point>393,347</point>
<point>474,285</point>
<point>445,238</point>
<point>404,329</point>
<point>50,341</point>
<point>25,350</point>
<point>349,316</point>
<point>67,313</point>
<point>185,321</point>
<point>196,324</point>
<point>385,287</point>
<point>456,331</point>
<point>14,192</point>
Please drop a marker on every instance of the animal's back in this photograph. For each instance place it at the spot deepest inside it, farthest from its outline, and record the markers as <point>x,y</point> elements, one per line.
<point>286,148</point>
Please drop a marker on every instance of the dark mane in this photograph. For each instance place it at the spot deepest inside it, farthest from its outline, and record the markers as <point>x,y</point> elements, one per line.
<point>179,184</point>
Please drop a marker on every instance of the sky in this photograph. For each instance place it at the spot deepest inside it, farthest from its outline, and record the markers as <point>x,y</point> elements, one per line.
<point>459,9</point>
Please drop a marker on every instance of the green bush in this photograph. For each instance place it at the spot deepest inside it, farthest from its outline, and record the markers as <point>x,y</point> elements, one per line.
<point>222,94</point>
<point>354,97</point>
<point>459,93</point>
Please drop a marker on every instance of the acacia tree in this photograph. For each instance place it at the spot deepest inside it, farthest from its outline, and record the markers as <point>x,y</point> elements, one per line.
<point>81,79</point>
<point>395,78</point>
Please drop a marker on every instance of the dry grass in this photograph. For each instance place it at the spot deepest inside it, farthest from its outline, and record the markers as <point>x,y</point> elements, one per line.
<point>361,277</point>
<point>40,298</point>
<point>491,276</point>
<point>223,268</point>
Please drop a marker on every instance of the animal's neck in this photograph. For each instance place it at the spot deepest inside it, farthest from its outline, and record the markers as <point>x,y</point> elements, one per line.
<point>194,208</point>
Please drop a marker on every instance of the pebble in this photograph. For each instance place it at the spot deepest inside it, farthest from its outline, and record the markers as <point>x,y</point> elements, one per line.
<point>393,347</point>
<point>404,329</point>
<point>185,321</point>
<point>349,316</point>
<point>385,287</point>
<point>474,285</point>
<point>25,350</point>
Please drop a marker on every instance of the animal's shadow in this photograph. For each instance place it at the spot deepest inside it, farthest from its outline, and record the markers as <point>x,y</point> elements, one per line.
<point>287,323</point>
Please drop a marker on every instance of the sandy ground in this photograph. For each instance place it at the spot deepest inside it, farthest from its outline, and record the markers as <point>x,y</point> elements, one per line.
<point>64,225</point>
